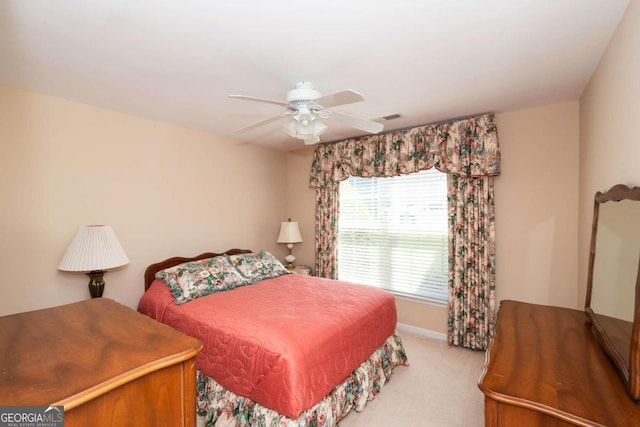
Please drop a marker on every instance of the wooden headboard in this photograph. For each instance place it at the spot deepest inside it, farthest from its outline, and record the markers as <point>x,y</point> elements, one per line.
<point>150,272</point>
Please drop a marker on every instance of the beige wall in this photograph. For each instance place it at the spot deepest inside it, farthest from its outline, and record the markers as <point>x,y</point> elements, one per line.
<point>536,211</point>
<point>610,127</point>
<point>537,205</point>
<point>164,189</point>
<point>301,202</point>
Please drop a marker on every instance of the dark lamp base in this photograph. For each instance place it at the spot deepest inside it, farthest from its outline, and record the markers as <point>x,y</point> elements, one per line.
<point>96,283</point>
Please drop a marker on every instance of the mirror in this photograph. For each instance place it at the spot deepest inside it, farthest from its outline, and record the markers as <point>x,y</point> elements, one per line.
<point>613,283</point>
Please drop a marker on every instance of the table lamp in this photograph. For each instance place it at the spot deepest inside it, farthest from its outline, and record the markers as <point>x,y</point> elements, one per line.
<point>289,234</point>
<point>93,249</point>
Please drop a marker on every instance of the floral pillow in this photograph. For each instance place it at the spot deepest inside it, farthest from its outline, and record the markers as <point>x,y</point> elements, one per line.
<point>255,267</point>
<point>199,278</point>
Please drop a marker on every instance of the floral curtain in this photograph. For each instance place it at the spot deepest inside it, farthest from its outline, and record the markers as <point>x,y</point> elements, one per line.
<point>466,149</point>
<point>471,261</point>
<point>327,208</point>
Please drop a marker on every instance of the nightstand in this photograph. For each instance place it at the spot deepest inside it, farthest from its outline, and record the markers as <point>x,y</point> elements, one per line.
<point>302,269</point>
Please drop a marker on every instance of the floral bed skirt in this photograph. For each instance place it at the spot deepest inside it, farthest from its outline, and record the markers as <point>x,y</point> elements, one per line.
<point>218,407</point>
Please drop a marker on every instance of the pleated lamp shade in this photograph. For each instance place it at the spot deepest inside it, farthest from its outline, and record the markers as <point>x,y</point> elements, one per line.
<point>94,247</point>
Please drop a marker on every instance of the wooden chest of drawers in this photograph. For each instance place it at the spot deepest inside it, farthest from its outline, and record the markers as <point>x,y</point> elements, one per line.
<point>105,363</point>
<point>545,368</point>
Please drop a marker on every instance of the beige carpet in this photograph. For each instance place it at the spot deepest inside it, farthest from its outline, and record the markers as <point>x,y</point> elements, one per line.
<point>439,388</point>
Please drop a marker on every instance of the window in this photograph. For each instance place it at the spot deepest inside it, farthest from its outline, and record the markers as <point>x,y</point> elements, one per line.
<point>393,234</point>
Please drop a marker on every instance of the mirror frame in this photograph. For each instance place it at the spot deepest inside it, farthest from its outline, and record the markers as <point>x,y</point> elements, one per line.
<point>629,369</point>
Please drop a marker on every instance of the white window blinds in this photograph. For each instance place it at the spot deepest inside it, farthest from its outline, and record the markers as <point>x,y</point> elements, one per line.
<point>393,233</point>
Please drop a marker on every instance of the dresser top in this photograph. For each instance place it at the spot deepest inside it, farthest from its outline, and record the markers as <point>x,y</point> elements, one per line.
<point>547,359</point>
<point>68,354</point>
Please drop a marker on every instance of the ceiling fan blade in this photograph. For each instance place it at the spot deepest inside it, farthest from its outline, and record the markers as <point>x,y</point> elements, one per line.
<point>253,98</point>
<point>348,96</point>
<point>261,123</point>
<point>356,122</point>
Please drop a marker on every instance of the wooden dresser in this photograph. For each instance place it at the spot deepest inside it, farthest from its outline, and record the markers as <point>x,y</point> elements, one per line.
<point>105,363</point>
<point>545,368</point>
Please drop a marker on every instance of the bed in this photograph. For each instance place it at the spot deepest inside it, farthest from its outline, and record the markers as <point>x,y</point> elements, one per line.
<point>279,348</point>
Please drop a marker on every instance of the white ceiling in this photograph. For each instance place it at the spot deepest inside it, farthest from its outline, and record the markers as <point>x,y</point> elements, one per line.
<point>428,60</point>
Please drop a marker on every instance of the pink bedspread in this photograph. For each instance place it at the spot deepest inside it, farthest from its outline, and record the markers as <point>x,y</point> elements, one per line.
<point>283,342</point>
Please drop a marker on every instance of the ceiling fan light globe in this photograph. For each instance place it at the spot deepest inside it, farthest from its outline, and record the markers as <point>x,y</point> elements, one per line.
<point>290,128</point>
<point>303,131</point>
<point>311,140</point>
<point>318,128</point>
<point>297,129</point>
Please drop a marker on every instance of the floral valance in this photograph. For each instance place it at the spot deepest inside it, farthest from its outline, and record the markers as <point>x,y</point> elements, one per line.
<point>467,147</point>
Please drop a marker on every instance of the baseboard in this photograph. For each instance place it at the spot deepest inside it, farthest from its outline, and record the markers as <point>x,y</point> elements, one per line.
<point>421,331</point>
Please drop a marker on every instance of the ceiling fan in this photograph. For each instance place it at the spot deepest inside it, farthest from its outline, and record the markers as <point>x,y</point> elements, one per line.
<point>306,106</point>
